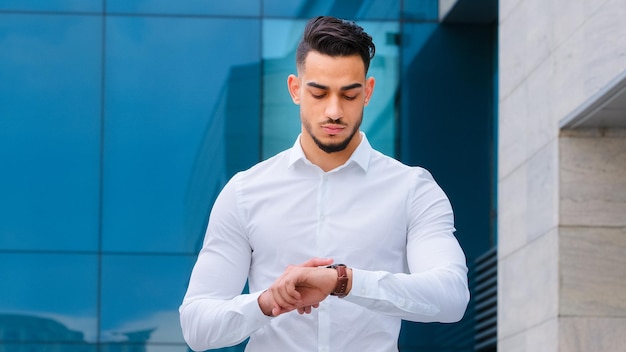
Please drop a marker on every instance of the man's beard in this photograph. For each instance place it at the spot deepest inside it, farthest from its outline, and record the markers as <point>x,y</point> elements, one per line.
<point>333,147</point>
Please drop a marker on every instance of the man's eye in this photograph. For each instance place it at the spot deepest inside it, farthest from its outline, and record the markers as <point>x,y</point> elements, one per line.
<point>318,96</point>
<point>347,97</point>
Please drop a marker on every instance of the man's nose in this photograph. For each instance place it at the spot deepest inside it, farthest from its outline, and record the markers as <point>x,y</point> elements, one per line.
<point>334,110</point>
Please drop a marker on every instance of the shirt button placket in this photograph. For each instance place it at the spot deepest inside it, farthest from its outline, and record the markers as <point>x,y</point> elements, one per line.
<point>323,337</point>
<point>321,214</point>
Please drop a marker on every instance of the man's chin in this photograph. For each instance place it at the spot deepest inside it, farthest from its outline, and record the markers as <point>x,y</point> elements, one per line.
<point>330,148</point>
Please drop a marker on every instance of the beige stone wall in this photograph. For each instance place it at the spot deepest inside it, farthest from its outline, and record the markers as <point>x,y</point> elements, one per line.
<point>554,277</point>
<point>592,240</point>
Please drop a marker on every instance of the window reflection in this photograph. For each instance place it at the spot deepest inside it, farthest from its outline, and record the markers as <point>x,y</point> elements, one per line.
<point>25,327</point>
<point>52,5</point>
<point>357,10</point>
<point>421,10</point>
<point>140,297</point>
<point>49,131</point>
<point>187,7</point>
<point>48,297</point>
<point>171,117</point>
<point>49,347</point>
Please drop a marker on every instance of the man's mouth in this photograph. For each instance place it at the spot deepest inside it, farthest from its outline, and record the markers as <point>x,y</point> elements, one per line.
<point>333,129</point>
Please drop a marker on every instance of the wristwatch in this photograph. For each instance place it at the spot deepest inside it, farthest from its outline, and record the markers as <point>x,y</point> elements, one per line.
<point>342,280</point>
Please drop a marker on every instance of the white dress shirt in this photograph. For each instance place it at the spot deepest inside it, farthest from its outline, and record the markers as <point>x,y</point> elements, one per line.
<point>391,223</point>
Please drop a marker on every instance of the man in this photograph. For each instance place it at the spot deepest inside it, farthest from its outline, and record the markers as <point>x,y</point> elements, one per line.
<point>329,199</point>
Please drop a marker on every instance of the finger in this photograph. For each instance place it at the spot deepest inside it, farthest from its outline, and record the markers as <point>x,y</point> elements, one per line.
<point>276,311</point>
<point>284,301</point>
<point>305,310</point>
<point>313,262</point>
<point>270,299</point>
<point>286,296</point>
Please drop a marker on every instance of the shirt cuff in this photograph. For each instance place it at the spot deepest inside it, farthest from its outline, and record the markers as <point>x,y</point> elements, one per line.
<point>251,308</point>
<point>362,282</point>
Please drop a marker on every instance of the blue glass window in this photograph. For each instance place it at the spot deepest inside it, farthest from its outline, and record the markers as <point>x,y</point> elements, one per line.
<point>281,117</point>
<point>348,9</point>
<point>172,111</point>
<point>48,297</point>
<point>65,347</point>
<point>50,93</point>
<point>141,296</point>
<point>53,5</point>
<point>420,10</point>
<point>245,8</point>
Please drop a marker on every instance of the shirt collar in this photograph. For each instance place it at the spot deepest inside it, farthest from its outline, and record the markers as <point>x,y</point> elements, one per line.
<point>360,156</point>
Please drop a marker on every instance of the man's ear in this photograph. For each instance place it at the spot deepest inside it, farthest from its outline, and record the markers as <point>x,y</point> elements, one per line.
<point>293,84</point>
<point>369,89</point>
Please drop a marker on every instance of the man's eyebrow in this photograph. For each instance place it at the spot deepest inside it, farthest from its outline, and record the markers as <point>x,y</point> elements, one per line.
<point>352,86</point>
<point>316,85</point>
<point>348,87</point>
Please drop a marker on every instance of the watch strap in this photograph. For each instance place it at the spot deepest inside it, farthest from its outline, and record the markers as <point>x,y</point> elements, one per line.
<point>342,280</point>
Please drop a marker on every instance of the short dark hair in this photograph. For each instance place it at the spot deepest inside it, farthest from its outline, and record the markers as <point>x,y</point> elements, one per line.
<point>335,37</point>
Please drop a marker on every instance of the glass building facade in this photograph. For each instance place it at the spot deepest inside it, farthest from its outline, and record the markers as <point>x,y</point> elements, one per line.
<point>120,121</point>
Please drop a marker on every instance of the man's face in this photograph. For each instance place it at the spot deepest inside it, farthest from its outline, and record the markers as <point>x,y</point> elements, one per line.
<point>331,92</point>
